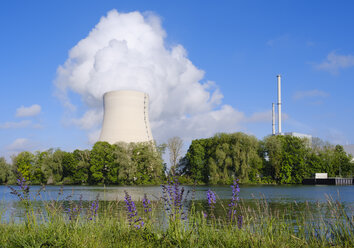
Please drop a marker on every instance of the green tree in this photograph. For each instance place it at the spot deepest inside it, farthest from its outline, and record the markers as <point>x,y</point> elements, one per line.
<point>23,162</point>
<point>272,154</point>
<point>342,162</point>
<point>224,157</point>
<point>81,166</point>
<point>196,161</point>
<point>103,167</point>
<point>56,165</point>
<point>4,170</point>
<point>213,171</point>
<point>286,158</point>
<point>127,170</point>
<point>148,162</point>
<point>46,161</point>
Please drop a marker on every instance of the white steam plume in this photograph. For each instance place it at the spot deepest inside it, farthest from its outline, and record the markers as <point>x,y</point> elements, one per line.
<point>128,51</point>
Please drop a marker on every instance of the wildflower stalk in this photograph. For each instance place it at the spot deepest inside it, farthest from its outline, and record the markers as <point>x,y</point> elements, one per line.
<point>94,209</point>
<point>146,205</point>
<point>74,210</point>
<point>174,199</point>
<point>132,213</point>
<point>211,202</point>
<point>24,196</point>
<point>233,217</point>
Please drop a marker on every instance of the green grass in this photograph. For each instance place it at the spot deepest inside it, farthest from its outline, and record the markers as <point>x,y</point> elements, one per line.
<point>263,226</point>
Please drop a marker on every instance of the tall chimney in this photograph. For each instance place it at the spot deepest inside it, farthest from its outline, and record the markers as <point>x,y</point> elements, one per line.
<point>279,104</point>
<point>273,120</point>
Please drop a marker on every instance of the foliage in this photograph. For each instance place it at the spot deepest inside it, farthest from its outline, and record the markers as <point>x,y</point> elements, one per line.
<point>134,163</point>
<point>25,165</point>
<point>148,163</point>
<point>82,166</point>
<point>102,161</point>
<point>287,157</point>
<point>220,159</point>
<point>4,170</point>
<point>282,159</point>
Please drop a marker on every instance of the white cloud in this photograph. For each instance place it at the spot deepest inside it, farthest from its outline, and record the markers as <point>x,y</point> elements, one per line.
<point>20,124</point>
<point>93,136</point>
<point>200,125</point>
<point>334,62</point>
<point>278,40</point>
<point>33,110</point>
<point>128,51</point>
<point>309,94</point>
<point>89,119</point>
<point>19,144</point>
<point>264,116</point>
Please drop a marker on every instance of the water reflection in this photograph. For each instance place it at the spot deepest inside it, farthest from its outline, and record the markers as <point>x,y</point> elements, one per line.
<point>274,193</point>
<point>302,198</point>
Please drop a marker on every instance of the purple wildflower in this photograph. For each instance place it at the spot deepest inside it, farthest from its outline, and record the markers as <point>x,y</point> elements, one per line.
<point>94,208</point>
<point>131,209</point>
<point>22,183</point>
<point>74,210</point>
<point>211,201</point>
<point>233,204</point>
<point>73,213</point>
<point>23,192</point>
<point>211,198</point>
<point>146,204</point>
<point>132,212</point>
<point>139,225</point>
<point>173,194</point>
<point>178,193</point>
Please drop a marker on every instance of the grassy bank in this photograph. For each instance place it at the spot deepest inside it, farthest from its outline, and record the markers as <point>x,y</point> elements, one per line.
<point>175,222</point>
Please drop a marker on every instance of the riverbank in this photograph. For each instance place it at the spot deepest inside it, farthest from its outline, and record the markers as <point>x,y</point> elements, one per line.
<point>260,227</point>
<point>175,220</point>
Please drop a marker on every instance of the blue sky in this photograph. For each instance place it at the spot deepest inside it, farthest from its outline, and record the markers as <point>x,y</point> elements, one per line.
<point>239,45</point>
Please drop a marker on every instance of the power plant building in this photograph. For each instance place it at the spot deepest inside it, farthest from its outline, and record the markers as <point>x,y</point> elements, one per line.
<point>126,117</point>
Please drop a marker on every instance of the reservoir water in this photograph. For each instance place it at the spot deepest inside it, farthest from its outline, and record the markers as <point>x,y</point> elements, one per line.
<point>276,195</point>
<point>272,193</point>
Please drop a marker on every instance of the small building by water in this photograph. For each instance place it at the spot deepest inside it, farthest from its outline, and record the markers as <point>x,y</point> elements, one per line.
<point>323,179</point>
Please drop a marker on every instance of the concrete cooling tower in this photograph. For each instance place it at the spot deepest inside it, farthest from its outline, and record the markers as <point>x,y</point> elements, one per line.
<point>126,117</point>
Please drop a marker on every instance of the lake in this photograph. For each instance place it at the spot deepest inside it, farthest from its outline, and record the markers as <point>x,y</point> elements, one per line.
<point>279,196</point>
<point>273,193</point>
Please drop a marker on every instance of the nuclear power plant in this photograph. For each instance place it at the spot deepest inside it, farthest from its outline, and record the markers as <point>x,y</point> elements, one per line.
<point>126,117</point>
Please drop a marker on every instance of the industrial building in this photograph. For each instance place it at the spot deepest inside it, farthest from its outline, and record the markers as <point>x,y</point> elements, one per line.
<point>126,117</point>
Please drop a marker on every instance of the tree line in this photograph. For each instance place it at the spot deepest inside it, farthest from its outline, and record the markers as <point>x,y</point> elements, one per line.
<point>280,159</point>
<point>216,160</point>
<point>126,164</point>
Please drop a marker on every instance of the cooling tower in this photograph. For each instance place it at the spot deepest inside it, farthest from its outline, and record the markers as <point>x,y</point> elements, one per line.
<point>126,117</point>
